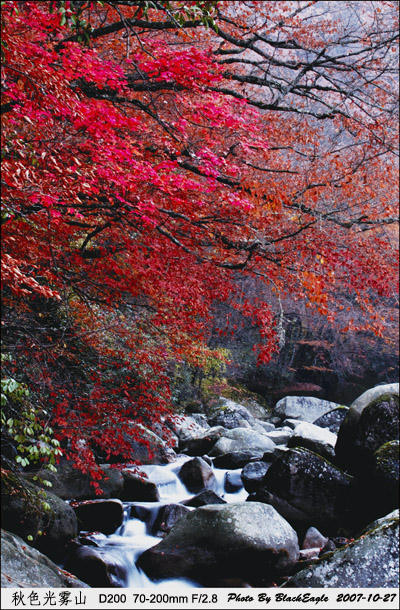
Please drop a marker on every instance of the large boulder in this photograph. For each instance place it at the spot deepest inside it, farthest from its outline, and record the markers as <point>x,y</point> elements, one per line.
<point>188,428</point>
<point>242,439</point>
<point>348,432</point>
<point>25,567</point>
<point>196,475</point>
<point>70,483</point>
<point>371,561</point>
<point>207,496</point>
<point>39,517</point>
<point>247,540</point>
<point>99,515</point>
<point>319,440</point>
<point>307,490</point>
<point>306,408</point>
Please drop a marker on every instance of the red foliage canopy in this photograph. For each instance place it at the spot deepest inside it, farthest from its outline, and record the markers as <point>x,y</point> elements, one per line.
<point>147,161</point>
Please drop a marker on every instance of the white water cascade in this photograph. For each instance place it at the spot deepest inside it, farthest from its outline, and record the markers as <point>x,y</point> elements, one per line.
<point>125,545</point>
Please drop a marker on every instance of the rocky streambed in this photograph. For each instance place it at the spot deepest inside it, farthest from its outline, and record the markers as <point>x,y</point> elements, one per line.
<point>304,497</point>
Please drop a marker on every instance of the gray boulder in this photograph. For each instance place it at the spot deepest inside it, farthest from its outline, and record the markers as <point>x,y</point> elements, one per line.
<point>188,428</point>
<point>333,419</point>
<point>247,540</point>
<point>25,567</point>
<point>242,439</point>
<point>371,561</point>
<point>306,408</point>
<point>318,440</point>
<point>349,428</point>
<point>230,415</point>
<point>196,475</point>
<point>307,490</point>
<point>232,481</point>
<point>280,436</point>
<point>314,539</point>
<point>253,474</point>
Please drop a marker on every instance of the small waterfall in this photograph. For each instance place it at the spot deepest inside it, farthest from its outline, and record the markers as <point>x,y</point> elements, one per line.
<point>132,537</point>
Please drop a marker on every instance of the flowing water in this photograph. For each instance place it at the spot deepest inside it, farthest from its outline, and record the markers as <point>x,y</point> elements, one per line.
<point>125,545</point>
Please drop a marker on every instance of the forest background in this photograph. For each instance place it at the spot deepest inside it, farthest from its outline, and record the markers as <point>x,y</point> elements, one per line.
<point>198,199</point>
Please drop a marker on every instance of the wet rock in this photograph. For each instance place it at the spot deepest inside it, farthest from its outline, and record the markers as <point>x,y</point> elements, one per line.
<point>246,540</point>
<point>371,561</point>
<point>236,459</point>
<point>138,489</point>
<point>196,475</point>
<point>232,482</point>
<point>333,419</point>
<point>95,566</point>
<point>347,436</point>
<point>252,475</point>
<point>166,518</point>
<point>25,567</point>
<point>99,515</point>
<point>242,439</point>
<point>318,440</point>
<point>305,408</point>
<point>308,491</point>
<point>204,442</point>
<point>207,496</point>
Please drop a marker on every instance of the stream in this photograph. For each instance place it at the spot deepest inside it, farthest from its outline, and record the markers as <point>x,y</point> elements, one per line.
<point>127,543</point>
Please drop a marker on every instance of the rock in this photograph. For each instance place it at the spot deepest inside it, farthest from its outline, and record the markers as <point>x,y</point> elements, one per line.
<point>333,419</point>
<point>207,496</point>
<point>166,518</point>
<point>308,491</point>
<point>291,423</point>
<point>378,424</point>
<point>69,483</point>
<point>232,482</point>
<point>306,408</point>
<point>262,426</point>
<point>349,428</point>
<point>230,415</point>
<point>385,476</point>
<point>96,566</point>
<point>280,437</point>
<point>188,428</point>
<point>203,443</point>
<point>236,459</point>
<point>138,489</point>
<point>246,540</point>
<point>196,475</point>
<point>99,515</point>
<point>318,440</point>
<point>252,475</point>
<point>25,567</point>
<point>370,561</point>
<point>307,554</point>
<point>242,439</point>
<point>43,517</point>
<point>314,539</point>
<point>158,451</point>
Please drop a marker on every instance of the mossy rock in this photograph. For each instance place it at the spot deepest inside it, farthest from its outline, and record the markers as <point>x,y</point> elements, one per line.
<point>42,519</point>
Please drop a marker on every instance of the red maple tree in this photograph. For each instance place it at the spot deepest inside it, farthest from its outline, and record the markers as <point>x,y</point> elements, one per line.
<point>153,151</point>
